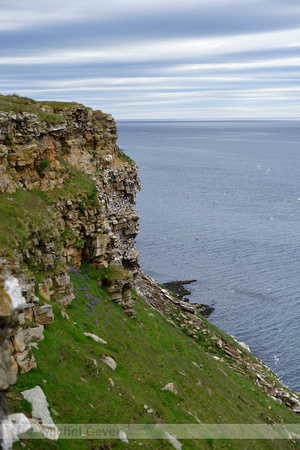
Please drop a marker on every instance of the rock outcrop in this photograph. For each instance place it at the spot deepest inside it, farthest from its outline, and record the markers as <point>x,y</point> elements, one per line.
<point>67,196</point>
<point>11,301</point>
<point>71,192</point>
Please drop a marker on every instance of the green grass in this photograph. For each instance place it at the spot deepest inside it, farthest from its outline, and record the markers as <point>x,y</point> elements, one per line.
<point>149,353</point>
<point>19,221</point>
<point>24,214</point>
<point>125,157</point>
<point>77,185</point>
<point>59,105</point>
<point>111,273</point>
<point>23,104</point>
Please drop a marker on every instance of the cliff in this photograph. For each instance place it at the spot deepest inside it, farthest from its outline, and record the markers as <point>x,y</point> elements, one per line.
<point>68,195</point>
<point>67,229</point>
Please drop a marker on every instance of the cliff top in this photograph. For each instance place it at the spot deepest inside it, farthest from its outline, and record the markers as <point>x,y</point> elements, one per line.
<point>45,110</point>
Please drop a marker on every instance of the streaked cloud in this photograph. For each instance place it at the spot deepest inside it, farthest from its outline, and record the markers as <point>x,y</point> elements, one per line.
<point>155,59</point>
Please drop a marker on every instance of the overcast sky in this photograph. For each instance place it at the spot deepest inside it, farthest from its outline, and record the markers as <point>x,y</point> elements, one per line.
<point>156,59</point>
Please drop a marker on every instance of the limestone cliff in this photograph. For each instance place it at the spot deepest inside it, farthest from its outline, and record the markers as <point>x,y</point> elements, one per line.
<point>67,200</point>
<point>67,196</point>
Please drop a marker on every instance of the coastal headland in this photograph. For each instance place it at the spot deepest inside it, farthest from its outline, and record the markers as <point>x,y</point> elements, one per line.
<point>88,336</point>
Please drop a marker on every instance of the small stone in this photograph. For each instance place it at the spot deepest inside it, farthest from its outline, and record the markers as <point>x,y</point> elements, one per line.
<point>95,337</point>
<point>65,315</point>
<point>109,361</point>
<point>199,366</point>
<point>54,412</point>
<point>170,387</point>
<point>219,343</point>
<point>123,437</point>
<point>244,346</point>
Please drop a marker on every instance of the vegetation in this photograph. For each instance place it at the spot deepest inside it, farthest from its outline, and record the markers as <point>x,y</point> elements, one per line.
<point>44,164</point>
<point>22,207</point>
<point>77,185</point>
<point>111,273</point>
<point>149,353</point>
<point>23,104</point>
<point>126,158</point>
<point>33,214</point>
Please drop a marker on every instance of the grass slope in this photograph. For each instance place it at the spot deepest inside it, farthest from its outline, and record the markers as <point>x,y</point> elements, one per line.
<point>150,353</point>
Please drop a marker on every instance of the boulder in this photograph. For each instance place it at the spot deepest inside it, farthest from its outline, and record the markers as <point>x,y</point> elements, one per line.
<point>41,420</point>
<point>43,314</point>
<point>25,361</point>
<point>11,427</point>
<point>36,333</point>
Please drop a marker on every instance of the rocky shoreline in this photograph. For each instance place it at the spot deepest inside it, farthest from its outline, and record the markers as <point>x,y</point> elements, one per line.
<point>178,287</point>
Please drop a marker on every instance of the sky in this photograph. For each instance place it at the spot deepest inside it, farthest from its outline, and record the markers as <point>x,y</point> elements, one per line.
<point>156,59</point>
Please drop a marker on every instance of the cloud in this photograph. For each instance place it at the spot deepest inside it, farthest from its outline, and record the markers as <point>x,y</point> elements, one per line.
<point>127,55</point>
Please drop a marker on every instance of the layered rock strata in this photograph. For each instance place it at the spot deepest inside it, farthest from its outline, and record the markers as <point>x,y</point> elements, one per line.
<point>65,158</point>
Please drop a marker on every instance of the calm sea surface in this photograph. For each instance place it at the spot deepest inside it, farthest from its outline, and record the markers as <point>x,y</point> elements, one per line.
<point>220,202</point>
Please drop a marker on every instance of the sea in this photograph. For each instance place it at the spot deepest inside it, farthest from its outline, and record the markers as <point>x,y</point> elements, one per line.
<point>220,203</point>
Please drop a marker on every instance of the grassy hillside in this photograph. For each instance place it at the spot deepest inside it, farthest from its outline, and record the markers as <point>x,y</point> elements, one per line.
<point>150,352</point>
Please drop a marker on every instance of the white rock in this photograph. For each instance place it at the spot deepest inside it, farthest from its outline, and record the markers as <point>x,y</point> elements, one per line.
<point>95,337</point>
<point>13,289</point>
<point>244,346</point>
<point>123,437</point>
<point>170,387</point>
<point>65,315</point>
<point>197,365</point>
<point>11,427</point>
<point>172,439</point>
<point>41,420</point>
<point>109,361</point>
<point>219,343</point>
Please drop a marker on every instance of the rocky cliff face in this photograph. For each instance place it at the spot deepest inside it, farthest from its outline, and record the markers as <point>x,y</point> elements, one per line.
<point>67,196</point>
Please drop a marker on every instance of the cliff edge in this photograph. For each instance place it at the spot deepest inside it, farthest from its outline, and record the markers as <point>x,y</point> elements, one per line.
<point>67,229</point>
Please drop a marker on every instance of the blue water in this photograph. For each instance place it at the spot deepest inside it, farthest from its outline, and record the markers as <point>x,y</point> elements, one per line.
<point>220,203</point>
